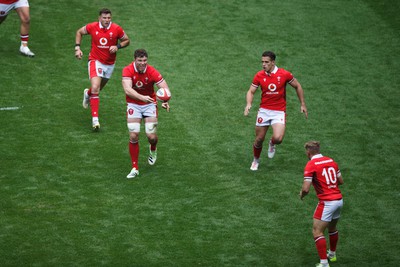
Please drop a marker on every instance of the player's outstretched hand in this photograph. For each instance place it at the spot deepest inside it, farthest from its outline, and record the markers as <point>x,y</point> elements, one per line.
<point>147,99</point>
<point>113,49</point>
<point>165,105</point>
<point>302,194</point>
<point>303,109</point>
<point>78,53</point>
<point>247,110</point>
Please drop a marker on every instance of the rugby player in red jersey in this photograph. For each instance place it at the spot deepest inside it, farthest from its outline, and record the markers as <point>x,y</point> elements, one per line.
<point>138,80</point>
<point>324,174</point>
<point>107,39</point>
<point>272,111</point>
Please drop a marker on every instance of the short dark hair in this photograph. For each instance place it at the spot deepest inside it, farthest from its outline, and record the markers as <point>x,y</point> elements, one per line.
<point>269,54</point>
<point>140,53</point>
<point>312,147</point>
<point>104,11</point>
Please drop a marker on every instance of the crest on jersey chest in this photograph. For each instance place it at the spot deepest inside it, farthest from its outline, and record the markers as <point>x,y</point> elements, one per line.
<point>278,79</point>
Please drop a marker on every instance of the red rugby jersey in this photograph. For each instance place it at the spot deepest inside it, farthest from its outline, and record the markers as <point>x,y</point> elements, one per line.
<point>143,82</point>
<point>323,172</point>
<point>102,39</point>
<point>273,88</point>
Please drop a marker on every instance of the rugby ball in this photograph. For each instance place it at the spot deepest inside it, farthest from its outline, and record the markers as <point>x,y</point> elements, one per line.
<point>163,94</point>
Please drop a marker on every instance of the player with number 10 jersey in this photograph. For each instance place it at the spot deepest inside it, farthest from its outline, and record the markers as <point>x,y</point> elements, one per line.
<point>323,172</point>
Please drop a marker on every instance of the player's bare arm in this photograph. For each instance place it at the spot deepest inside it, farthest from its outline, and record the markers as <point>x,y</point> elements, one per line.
<point>129,91</point>
<point>124,42</point>
<point>300,94</point>
<point>340,179</point>
<point>305,189</point>
<point>249,99</point>
<point>78,39</point>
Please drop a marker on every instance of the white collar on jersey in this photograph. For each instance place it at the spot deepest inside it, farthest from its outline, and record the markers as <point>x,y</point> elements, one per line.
<point>273,71</point>
<point>101,26</point>
<point>317,156</point>
<point>134,66</point>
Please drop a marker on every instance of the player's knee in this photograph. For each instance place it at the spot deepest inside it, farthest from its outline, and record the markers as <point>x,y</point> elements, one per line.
<point>25,20</point>
<point>316,232</point>
<point>133,141</point>
<point>277,139</point>
<point>332,225</point>
<point>95,89</point>
<point>24,16</point>
<point>259,141</point>
<point>133,138</point>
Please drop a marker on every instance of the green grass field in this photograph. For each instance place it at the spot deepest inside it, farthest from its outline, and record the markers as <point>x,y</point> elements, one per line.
<point>64,198</point>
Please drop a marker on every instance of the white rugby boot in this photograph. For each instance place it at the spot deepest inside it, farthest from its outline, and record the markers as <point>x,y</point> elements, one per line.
<point>133,173</point>
<point>85,102</point>
<point>26,51</point>
<point>95,124</point>
<point>271,149</point>
<point>152,156</point>
<point>254,165</point>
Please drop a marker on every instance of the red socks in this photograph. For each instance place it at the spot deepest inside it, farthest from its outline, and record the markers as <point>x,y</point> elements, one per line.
<point>333,239</point>
<point>320,243</point>
<point>153,147</point>
<point>257,151</point>
<point>134,152</point>
<point>24,37</point>
<point>94,104</point>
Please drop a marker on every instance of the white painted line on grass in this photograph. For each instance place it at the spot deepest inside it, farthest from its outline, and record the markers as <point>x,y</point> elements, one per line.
<point>9,108</point>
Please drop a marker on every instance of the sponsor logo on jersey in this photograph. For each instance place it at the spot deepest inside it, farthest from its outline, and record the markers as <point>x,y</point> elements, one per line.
<point>103,41</point>
<point>272,87</point>
<point>139,84</point>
